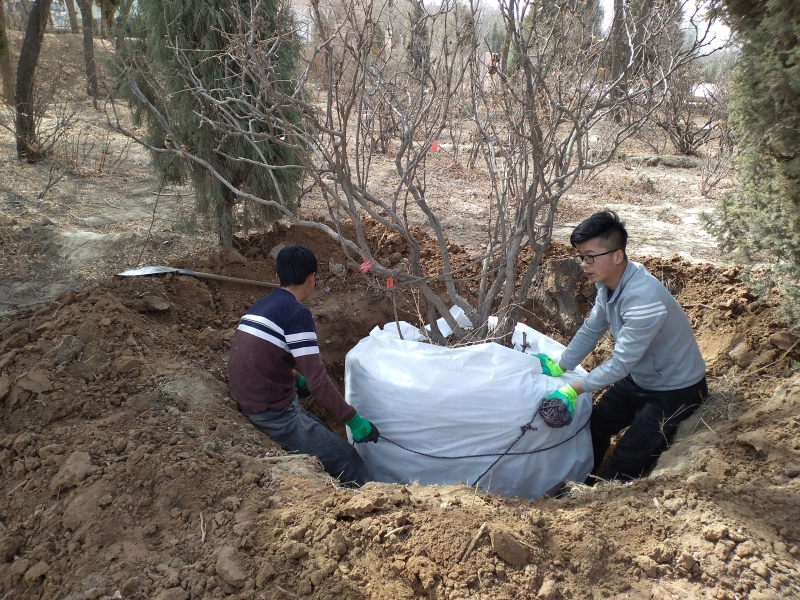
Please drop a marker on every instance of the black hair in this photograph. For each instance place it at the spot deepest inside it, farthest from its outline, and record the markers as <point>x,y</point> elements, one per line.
<point>605,225</point>
<point>295,263</point>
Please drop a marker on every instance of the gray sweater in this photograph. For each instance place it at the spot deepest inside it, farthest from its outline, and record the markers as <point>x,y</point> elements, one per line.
<point>654,341</point>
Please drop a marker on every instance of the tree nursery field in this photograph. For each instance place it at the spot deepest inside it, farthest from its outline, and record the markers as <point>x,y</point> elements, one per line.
<point>128,472</point>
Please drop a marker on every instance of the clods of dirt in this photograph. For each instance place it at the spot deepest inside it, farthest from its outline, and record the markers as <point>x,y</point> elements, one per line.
<point>127,471</point>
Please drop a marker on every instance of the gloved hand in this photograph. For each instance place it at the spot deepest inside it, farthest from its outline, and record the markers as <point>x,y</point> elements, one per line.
<point>302,388</point>
<point>549,366</point>
<point>362,430</point>
<point>558,408</point>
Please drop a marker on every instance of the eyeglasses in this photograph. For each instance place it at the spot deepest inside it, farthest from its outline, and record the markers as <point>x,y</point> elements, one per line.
<point>589,258</point>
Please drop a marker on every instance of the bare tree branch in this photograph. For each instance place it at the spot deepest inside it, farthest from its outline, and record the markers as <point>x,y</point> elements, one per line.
<point>559,80</point>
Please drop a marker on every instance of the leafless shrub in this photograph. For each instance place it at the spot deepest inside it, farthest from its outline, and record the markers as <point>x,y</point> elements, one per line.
<point>601,141</point>
<point>54,175</point>
<point>16,15</point>
<point>84,153</point>
<point>719,151</point>
<point>717,166</point>
<point>53,119</point>
<point>533,127</point>
<point>563,114</point>
<point>689,113</point>
<point>655,137</point>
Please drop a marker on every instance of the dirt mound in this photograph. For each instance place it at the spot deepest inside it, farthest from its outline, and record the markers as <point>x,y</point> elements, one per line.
<point>128,472</point>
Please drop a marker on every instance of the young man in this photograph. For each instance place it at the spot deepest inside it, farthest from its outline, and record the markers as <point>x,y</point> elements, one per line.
<point>276,335</point>
<point>656,372</point>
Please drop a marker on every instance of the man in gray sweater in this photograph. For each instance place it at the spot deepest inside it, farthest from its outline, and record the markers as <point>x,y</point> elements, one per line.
<point>656,372</point>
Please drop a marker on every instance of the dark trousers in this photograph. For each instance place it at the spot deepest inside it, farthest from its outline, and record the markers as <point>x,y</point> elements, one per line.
<point>294,428</point>
<point>652,419</point>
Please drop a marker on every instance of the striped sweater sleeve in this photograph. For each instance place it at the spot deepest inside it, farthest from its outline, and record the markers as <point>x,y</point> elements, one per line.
<point>301,341</point>
<point>642,318</point>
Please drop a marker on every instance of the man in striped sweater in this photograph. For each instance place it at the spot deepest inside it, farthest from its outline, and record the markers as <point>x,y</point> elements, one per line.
<point>276,335</point>
<point>656,373</point>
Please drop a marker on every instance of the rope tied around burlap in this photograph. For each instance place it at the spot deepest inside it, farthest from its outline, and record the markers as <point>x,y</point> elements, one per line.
<point>554,420</point>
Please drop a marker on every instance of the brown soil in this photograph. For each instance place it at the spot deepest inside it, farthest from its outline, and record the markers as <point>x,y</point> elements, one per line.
<point>127,471</point>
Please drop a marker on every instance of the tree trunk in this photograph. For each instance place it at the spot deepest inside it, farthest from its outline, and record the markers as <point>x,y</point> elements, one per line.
<point>88,49</point>
<point>617,54</point>
<point>26,6</point>
<point>639,48</point>
<point>6,70</point>
<point>73,16</point>
<point>564,297</point>
<point>107,10</point>
<point>26,74</point>
<point>122,22</point>
<point>225,218</point>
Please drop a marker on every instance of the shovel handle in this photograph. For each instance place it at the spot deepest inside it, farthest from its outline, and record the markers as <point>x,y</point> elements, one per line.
<point>226,278</point>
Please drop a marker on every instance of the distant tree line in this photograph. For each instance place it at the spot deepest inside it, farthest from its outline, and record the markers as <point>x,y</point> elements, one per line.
<point>19,90</point>
<point>189,85</point>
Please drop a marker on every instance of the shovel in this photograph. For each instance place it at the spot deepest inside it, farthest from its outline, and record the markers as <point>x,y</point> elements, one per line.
<point>162,270</point>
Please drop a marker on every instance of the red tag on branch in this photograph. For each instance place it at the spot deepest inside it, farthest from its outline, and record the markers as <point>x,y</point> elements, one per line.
<point>366,266</point>
<point>390,282</point>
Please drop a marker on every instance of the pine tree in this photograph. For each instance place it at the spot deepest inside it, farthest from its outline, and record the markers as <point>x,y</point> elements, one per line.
<point>418,41</point>
<point>760,222</point>
<point>195,31</point>
<point>577,21</point>
<point>495,40</point>
<point>6,71</point>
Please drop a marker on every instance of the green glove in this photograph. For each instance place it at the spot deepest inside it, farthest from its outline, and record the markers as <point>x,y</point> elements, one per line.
<point>362,430</point>
<point>549,366</point>
<point>558,408</point>
<point>302,388</point>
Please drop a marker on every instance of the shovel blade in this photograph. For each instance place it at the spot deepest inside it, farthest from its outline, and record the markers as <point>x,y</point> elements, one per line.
<point>147,271</point>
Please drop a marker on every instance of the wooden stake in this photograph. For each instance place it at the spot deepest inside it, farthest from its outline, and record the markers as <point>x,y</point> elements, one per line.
<point>473,543</point>
<point>397,530</point>
<point>287,592</point>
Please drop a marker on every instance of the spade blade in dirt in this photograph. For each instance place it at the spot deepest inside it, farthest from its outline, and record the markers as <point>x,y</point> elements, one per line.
<point>160,270</point>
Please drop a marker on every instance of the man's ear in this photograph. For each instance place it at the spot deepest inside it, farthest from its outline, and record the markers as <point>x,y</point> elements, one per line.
<point>619,258</point>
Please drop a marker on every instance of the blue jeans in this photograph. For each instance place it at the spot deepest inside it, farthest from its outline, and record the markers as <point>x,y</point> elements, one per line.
<point>294,428</point>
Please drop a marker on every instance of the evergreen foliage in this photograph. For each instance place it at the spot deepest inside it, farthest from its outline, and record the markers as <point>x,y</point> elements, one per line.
<point>759,223</point>
<point>495,39</point>
<point>580,22</point>
<point>418,41</point>
<point>183,36</point>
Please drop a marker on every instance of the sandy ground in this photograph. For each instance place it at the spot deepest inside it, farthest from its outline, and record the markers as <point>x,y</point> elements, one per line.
<point>127,471</point>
